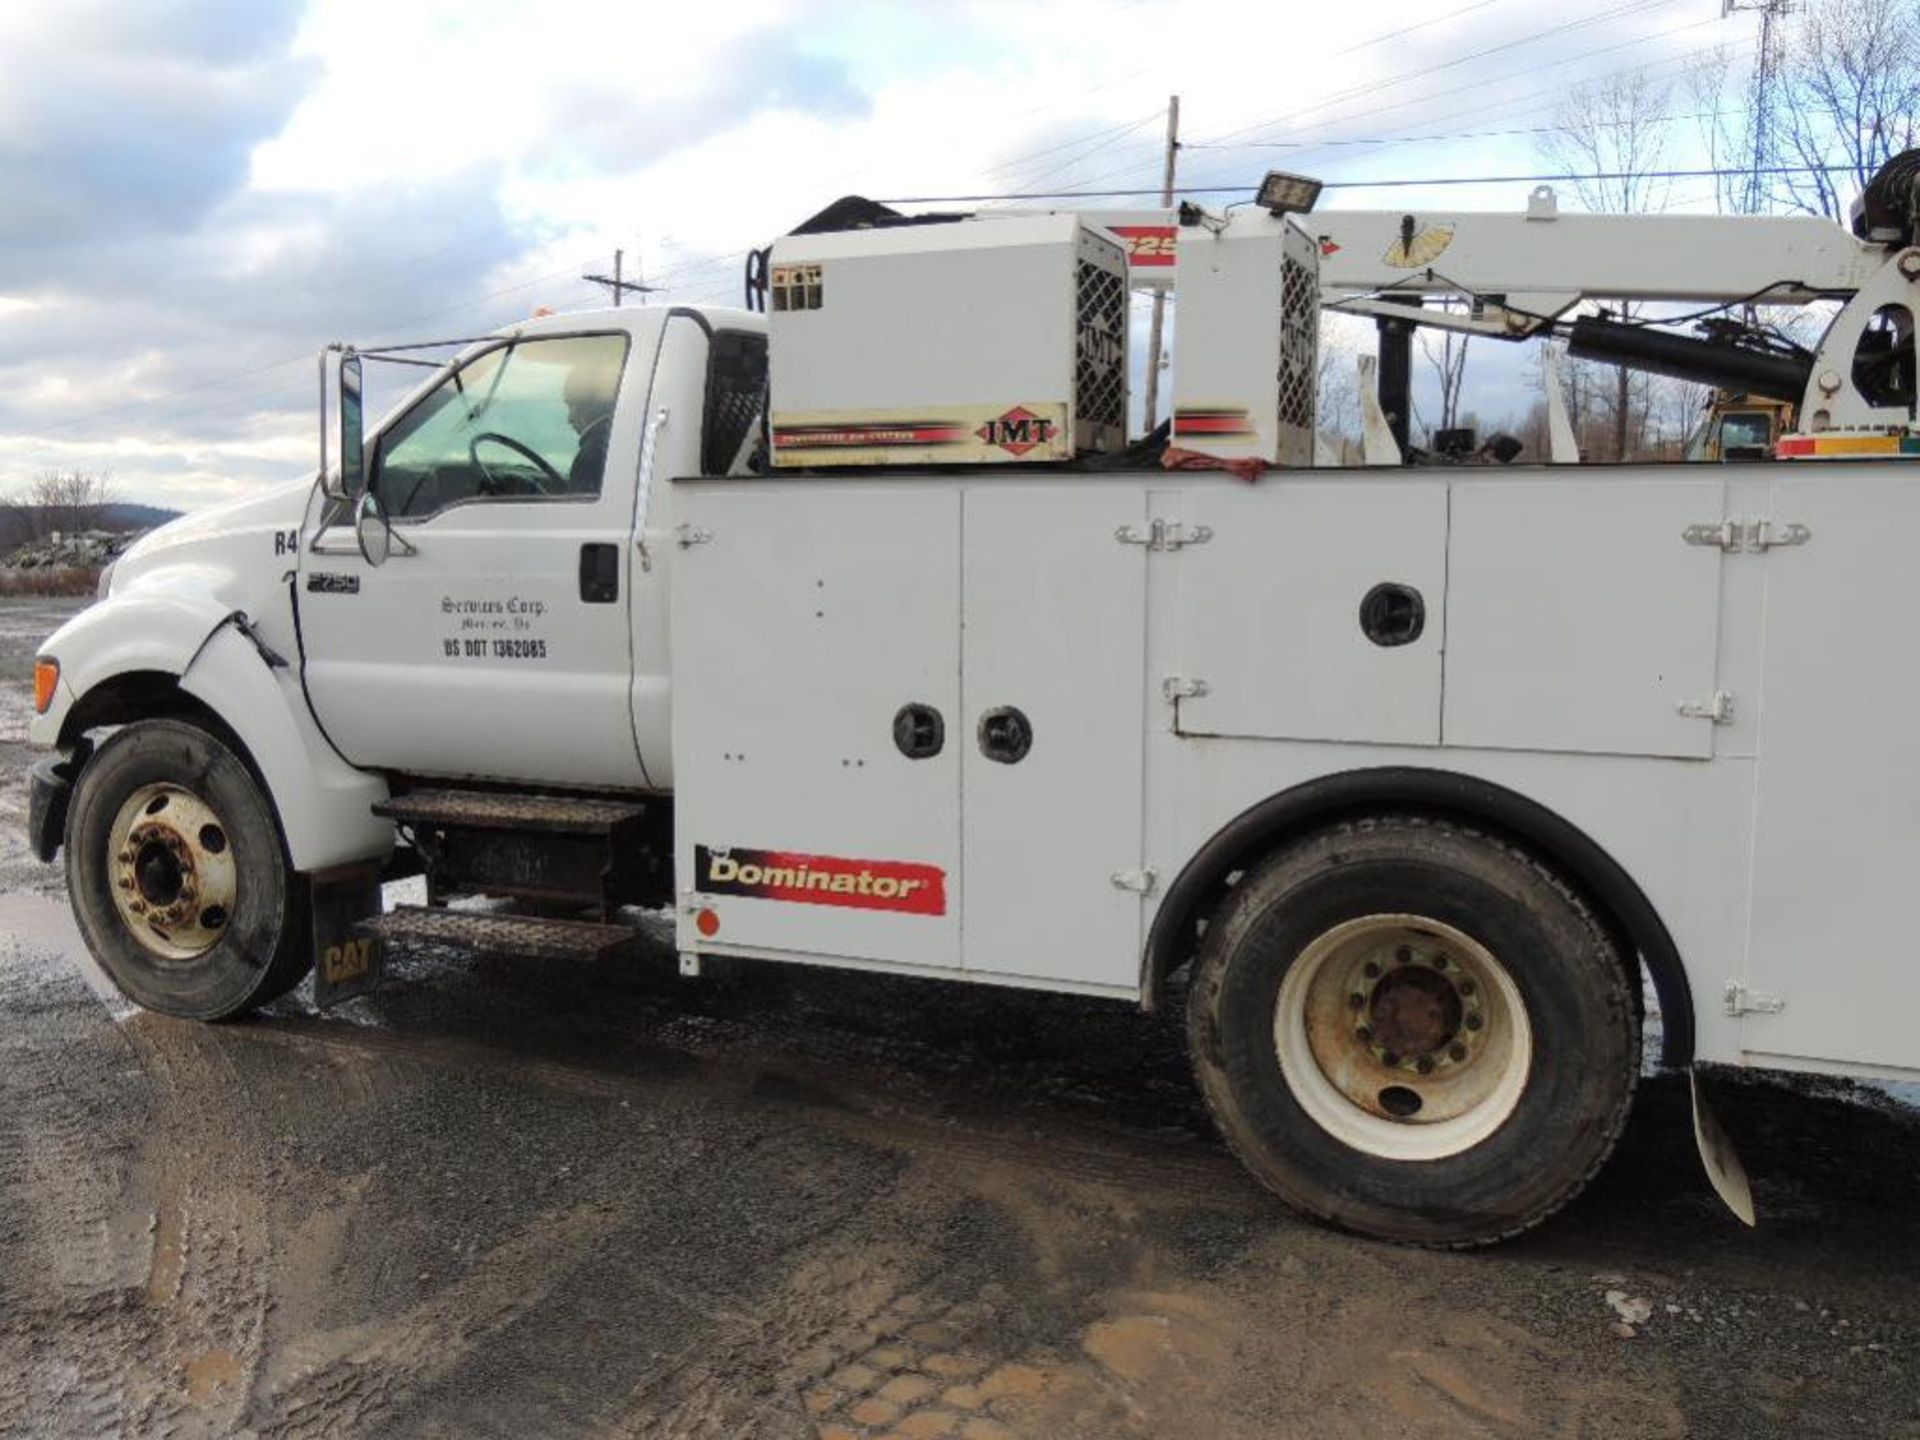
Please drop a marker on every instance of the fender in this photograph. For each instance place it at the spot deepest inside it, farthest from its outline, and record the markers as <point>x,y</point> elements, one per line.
<point>154,628</point>
<point>325,805</point>
<point>177,627</point>
<point>1253,833</point>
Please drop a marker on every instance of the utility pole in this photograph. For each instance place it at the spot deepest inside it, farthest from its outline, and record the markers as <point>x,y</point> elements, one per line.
<point>1160,295</point>
<point>617,283</point>
<point>1766,75</point>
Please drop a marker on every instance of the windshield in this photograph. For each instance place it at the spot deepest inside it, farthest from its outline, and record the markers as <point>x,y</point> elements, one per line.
<point>527,419</point>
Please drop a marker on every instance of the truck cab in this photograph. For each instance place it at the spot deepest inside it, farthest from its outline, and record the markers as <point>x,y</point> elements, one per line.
<point>525,497</point>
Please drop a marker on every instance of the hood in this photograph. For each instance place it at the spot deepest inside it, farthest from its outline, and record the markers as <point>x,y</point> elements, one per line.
<point>280,507</point>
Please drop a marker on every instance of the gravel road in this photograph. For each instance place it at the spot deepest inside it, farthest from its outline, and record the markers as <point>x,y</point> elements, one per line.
<point>510,1199</point>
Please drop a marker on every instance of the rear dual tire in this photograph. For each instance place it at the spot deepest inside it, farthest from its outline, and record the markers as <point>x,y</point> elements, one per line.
<point>1415,1031</point>
<point>179,876</point>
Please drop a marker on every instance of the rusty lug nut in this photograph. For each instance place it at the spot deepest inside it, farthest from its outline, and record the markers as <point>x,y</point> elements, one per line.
<point>1474,1022</point>
<point>1404,955</point>
<point>1466,987</point>
<point>1388,1057</point>
<point>138,907</point>
<point>126,857</point>
<point>1354,1002</point>
<point>1439,962</point>
<point>126,884</point>
<point>1370,970</point>
<point>1424,1065</point>
<point>1457,1052</point>
<point>1365,1032</point>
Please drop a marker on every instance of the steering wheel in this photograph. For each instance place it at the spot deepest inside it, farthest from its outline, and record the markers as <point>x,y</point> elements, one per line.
<point>552,482</point>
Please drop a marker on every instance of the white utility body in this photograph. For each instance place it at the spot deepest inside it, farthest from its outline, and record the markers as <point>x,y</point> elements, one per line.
<point>1413,772</point>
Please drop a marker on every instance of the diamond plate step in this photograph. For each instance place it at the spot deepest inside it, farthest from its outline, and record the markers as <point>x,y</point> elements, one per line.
<point>494,810</point>
<point>480,933</point>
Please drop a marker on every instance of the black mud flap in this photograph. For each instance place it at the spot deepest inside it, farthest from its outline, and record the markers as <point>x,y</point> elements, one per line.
<point>49,793</point>
<point>346,964</point>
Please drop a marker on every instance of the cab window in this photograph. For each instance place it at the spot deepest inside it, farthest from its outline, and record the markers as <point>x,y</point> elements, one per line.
<point>526,420</point>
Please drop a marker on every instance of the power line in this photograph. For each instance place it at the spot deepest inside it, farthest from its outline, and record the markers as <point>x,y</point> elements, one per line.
<point>1228,139</point>
<point>1395,184</point>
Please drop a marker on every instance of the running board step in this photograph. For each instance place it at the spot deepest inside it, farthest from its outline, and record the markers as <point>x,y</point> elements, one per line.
<point>477,932</point>
<point>505,810</point>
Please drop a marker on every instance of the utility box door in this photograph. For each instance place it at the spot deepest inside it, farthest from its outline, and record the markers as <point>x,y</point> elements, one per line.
<point>1839,792</point>
<point>1270,608</point>
<point>802,626</point>
<point>1579,618</point>
<point>1055,610</point>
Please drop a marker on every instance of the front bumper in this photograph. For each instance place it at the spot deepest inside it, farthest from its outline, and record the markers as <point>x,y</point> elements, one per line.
<point>49,792</point>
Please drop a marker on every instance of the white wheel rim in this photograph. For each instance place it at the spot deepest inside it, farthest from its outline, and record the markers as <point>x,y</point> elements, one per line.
<point>170,857</point>
<point>1403,1037</point>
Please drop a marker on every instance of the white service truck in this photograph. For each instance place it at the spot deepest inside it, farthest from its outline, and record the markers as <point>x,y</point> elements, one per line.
<point>857,632</point>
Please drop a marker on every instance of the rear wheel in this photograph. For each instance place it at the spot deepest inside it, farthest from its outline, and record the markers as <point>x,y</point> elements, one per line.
<point>1415,1031</point>
<point>179,876</point>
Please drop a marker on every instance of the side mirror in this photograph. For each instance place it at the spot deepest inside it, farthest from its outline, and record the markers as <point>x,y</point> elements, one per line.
<point>373,530</point>
<point>343,467</point>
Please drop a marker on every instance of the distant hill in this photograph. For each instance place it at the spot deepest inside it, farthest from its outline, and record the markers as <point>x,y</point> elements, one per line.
<point>123,516</point>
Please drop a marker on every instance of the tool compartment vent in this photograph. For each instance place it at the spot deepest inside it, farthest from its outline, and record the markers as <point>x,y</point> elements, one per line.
<point>1100,377</point>
<point>1299,335</point>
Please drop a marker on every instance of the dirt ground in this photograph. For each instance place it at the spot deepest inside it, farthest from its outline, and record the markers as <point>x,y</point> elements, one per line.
<point>513,1199</point>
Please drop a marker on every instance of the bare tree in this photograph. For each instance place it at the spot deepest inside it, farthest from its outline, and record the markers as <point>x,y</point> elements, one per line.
<point>1612,134</point>
<point>1338,408</point>
<point>69,500</point>
<point>1852,96</point>
<point>1449,361</point>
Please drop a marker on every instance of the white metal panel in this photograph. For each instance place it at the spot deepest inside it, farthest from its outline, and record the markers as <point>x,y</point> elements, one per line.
<point>1578,618</point>
<point>799,629</point>
<point>1055,625</point>
<point>1269,609</point>
<point>1838,808</point>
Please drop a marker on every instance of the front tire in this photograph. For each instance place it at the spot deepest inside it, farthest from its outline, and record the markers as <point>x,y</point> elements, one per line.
<point>1415,1031</point>
<point>179,875</point>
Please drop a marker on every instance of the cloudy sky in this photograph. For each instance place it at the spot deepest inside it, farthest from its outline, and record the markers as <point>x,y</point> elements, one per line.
<point>196,194</point>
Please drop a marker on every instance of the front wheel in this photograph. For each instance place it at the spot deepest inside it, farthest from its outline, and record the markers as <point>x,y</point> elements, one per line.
<point>1415,1031</point>
<point>179,877</point>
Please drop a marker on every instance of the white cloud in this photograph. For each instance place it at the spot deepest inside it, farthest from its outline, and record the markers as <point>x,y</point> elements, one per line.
<point>279,175</point>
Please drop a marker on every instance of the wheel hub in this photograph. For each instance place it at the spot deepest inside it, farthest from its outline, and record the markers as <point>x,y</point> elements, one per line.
<point>174,878</point>
<point>1402,1036</point>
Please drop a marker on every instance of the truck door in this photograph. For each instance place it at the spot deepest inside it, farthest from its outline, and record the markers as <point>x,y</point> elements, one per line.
<point>495,641</point>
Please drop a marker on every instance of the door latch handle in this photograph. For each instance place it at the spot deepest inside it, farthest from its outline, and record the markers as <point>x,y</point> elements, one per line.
<point>599,573</point>
<point>1006,735</point>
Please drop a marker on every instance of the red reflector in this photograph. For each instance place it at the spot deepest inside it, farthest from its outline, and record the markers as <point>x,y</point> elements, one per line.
<point>46,675</point>
<point>707,923</point>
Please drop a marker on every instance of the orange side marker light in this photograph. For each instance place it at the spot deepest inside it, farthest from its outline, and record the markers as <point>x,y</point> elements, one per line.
<point>46,676</point>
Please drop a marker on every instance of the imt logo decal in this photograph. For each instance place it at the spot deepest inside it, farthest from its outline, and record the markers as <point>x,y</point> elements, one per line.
<point>1017,431</point>
<point>898,885</point>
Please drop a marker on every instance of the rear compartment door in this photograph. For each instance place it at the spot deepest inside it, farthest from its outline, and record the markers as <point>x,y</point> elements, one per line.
<point>1831,977</point>
<point>1580,618</point>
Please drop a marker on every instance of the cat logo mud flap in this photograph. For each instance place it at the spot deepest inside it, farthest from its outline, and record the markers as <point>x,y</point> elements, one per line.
<point>346,963</point>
